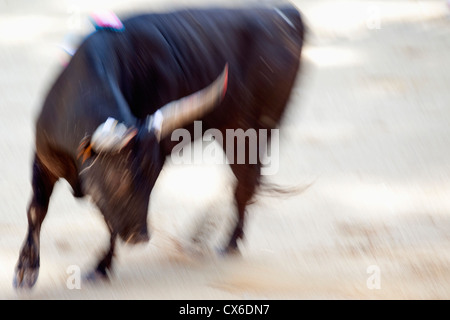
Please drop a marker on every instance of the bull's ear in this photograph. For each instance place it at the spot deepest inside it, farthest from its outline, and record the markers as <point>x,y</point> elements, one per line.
<point>112,136</point>
<point>84,149</point>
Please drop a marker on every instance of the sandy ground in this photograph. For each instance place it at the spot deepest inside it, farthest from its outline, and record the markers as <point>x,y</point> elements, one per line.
<point>368,123</point>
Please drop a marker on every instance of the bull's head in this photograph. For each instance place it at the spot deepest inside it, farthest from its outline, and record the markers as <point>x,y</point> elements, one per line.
<point>126,161</point>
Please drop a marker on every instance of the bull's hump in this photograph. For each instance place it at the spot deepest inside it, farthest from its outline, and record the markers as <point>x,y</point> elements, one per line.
<point>284,17</point>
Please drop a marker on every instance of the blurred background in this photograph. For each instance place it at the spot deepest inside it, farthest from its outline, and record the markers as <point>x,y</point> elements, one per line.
<point>367,125</point>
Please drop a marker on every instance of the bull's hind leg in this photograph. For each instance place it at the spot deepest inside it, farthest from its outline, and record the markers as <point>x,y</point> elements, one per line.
<point>27,268</point>
<point>248,176</point>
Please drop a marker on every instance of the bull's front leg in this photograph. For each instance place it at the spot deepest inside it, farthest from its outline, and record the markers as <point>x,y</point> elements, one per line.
<point>27,268</point>
<point>104,266</point>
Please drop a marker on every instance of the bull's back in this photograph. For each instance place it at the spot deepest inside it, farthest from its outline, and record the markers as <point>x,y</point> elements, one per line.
<point>262,47</point>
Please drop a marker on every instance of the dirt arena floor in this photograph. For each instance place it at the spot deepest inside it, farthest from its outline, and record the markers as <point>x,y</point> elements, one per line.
<point>367,127</point>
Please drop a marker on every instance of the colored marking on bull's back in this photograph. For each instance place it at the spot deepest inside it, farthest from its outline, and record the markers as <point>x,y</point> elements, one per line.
<point>106,20</point>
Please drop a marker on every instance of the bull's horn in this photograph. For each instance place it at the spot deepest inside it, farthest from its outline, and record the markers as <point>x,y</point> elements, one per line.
<point>111,136</point>
<point>178,113</point>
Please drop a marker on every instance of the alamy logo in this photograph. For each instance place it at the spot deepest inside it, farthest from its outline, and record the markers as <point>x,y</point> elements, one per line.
<point>374,280</point>
<point>73,280</point>
<point>241,147</point>
<point>373,21</point>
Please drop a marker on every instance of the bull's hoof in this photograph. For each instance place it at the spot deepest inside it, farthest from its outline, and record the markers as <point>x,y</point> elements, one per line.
<point>97,276</point>
<point>25,278</point>
<point>232,248</point>
<point>230,251</point>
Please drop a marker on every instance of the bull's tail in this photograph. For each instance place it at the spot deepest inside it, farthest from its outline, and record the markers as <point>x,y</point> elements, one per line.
<point>276,190</point>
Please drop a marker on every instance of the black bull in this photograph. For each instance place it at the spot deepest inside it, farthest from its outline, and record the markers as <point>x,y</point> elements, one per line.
<point>128,75</point>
